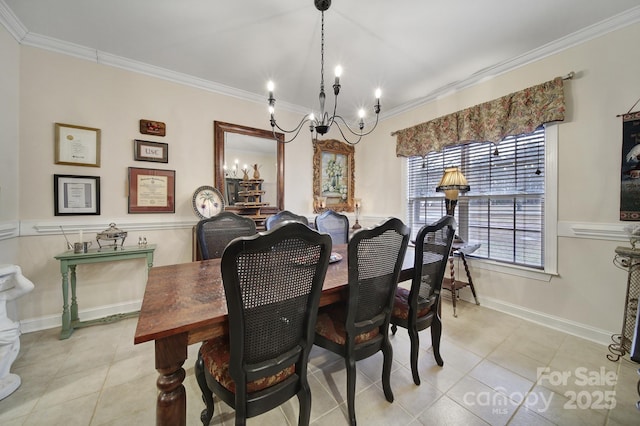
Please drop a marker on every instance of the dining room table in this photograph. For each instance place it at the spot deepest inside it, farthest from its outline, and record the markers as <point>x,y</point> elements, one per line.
<point>185,304</point>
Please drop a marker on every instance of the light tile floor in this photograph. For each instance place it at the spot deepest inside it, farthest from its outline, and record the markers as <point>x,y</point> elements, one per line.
<point>490,376</point>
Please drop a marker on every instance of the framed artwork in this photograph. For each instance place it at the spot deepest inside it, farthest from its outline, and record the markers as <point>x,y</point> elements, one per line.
<point>333,175</point>
<point>149,127</point>
<point>76,195</point>
<point>150,151</point>
<point>630,172</point>
<point>152,190</point>
<point>77,145</point>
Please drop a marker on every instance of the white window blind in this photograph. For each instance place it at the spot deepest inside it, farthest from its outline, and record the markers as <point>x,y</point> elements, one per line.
<point>503,211</point>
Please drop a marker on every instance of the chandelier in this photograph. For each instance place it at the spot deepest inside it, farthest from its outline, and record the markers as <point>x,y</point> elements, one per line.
<point>322,124</point>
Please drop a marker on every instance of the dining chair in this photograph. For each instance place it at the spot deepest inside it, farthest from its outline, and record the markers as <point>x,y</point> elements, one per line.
<point>213,234</point>
<point>282,216</point>
<point>272,282</point>
<point>335,224</point>
<point>419,307</point>
<point>359,327</point>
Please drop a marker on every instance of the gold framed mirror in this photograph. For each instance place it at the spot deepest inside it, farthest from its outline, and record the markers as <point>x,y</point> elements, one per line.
<point>237,147</point>
<point>333,175</point>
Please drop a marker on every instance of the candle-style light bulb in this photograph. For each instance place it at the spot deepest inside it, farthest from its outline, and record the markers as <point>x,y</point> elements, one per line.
<point>378,93</point>
<point>338,72</point>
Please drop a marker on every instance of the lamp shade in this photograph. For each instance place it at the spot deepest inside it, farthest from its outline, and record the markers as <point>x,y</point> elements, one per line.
<point>452,183</point>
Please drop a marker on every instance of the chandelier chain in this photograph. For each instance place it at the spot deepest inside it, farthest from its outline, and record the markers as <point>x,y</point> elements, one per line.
<point>322,54</point>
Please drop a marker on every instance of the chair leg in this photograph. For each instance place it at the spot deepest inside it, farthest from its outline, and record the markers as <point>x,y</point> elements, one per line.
<point>351,388</point>
<point>436,333</point>
<point>207,395</point>
<point>387,352</point>
<point>304,400</point>
<point>415,348</point>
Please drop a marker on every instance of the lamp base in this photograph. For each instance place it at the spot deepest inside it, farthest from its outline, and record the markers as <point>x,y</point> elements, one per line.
<point>356,225</point>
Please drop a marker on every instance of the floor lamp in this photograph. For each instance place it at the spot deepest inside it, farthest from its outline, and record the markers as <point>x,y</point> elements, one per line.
<point>452,184</point>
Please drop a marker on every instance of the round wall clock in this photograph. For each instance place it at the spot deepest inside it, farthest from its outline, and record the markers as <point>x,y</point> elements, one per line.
<point>207,202</point>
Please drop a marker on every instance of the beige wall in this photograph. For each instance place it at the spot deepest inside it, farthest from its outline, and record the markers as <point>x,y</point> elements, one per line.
<point>9,102</point>
<point>586,297</point>
<point>588,294</point>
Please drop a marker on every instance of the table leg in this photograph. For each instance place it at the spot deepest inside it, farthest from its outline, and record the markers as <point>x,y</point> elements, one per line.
<point>466,268</point>
<point>454,292</point>
<point>171,405</point>
<point>66,315</point>
<point>74,300</point>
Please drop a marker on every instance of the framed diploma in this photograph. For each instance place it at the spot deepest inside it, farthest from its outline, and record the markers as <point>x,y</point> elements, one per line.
<point>77,145</point>
<point>76,195</point>
<point>152,190</point>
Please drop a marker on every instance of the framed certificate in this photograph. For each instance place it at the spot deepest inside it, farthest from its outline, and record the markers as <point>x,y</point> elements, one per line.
<point>152,190</point>
<point>77,145</point>
<point>76,195</point>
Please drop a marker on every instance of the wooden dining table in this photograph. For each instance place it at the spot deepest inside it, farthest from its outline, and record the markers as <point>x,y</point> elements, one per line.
<point>185,304</point>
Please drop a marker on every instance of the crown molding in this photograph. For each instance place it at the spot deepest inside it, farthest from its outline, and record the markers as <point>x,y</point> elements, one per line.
<point>596,30</point>
<point>23,36</point>
<point>11,22</point>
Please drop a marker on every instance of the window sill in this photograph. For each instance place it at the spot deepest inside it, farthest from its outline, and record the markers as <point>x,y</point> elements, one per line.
<point>519,271</point>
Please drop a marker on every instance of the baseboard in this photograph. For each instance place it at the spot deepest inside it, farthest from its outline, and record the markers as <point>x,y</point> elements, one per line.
<point>53,321</point>
<point>593,334</point>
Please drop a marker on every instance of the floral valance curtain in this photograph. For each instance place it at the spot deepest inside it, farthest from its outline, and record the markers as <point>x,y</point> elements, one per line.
<point>513,114</point>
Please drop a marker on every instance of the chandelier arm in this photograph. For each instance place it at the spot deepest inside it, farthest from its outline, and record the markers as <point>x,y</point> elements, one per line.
<point>338,117</point>
<point>296,130</point>
<point>345,136</point>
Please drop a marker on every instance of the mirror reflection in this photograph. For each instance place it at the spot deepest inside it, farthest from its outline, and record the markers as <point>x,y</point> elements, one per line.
<point>241,149</point>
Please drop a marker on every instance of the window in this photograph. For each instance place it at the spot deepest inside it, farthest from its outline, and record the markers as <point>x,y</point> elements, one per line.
<point>505,209</point>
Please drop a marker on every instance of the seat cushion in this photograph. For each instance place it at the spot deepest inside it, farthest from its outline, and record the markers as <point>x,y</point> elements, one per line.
<point>215,353</point>
<point>401,305</point>
<point>330,325</point>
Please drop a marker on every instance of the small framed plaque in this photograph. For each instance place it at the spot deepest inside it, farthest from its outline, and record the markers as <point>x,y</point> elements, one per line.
<point>150,151</point>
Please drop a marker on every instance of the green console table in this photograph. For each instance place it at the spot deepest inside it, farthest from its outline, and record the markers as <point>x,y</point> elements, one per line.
<point>68,262</point>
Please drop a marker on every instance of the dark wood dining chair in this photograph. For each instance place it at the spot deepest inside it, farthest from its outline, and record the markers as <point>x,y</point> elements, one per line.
<point>283,216</point>
<point>335,224</point>
<point>213,234</point>
<point>419,307</point>
<point>272,282</point>
<point>359,327</point>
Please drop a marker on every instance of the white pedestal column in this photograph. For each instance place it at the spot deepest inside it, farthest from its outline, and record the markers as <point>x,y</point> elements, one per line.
<point>12,285</point>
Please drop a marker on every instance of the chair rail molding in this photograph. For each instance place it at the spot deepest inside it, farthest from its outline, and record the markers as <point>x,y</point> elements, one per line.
<point>38,227</point>
<point>593,230</point>
<point>9,229</point>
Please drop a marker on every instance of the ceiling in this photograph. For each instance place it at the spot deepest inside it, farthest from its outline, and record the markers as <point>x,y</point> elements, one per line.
<point>414,50</point>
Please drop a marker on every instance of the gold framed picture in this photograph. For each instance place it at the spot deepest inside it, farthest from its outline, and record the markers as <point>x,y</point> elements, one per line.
<point>77,145</point>
<point>333,175</point>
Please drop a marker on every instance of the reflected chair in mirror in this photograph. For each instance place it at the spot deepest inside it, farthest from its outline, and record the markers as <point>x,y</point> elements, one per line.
<point>335,224</point>
<point>418,308</point>
<point>284,215</point>
<point>359,327</point>
<point>272,282</point>
<point>213,234</point>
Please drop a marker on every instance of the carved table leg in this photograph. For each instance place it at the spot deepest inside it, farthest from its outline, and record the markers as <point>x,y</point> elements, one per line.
<point>74,300</point>
<point>66,315</point>
<point>171,406</point>
<point>454,292</point>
